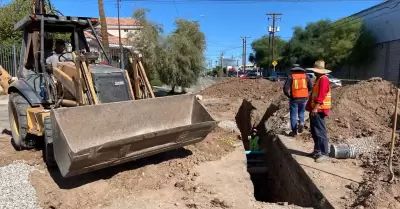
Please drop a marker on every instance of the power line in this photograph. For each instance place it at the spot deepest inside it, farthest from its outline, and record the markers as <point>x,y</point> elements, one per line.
<point>176,8</point>
<point>361,17</point>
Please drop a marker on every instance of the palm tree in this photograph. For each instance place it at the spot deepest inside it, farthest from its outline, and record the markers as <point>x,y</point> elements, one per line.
<point>103,22</point>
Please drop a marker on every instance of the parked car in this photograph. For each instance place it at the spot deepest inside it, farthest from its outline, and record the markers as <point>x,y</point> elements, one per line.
<point>242,74</point>
<point>277,75</point>
<point>333,80</point>
<point>252,74</point>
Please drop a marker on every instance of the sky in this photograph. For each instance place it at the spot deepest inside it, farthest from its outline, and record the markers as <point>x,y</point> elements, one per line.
<point>223,23</point>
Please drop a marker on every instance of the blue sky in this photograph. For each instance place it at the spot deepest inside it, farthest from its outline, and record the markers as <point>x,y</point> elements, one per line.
<point>223,23</point>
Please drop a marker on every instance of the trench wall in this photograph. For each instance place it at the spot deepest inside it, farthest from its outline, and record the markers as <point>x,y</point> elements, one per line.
<point>285,181</point>
<point>288,182</point>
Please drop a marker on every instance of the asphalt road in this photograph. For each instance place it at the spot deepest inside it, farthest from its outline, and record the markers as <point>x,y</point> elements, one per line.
<point>201,84</point>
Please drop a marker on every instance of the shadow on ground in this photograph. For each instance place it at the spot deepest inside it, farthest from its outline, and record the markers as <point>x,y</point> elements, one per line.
<point>107,173</point>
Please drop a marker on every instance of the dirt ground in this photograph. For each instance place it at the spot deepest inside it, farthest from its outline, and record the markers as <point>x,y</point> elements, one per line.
<point>362,114</point>
<point>210,174</point>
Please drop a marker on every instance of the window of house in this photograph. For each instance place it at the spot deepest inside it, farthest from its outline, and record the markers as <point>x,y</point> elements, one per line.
<point>125,31</point>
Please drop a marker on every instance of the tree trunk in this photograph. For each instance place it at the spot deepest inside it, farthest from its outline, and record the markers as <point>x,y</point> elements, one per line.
<point>103,22</point>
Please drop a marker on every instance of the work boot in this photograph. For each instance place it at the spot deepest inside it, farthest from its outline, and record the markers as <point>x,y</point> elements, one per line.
<point>314,154</point>
<point>301,128</point>
<point>293,134</point>
<point>322,159</point>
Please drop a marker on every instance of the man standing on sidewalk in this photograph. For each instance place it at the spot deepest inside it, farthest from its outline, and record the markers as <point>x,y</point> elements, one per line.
<point>297,88</point>
<point>319,105</point>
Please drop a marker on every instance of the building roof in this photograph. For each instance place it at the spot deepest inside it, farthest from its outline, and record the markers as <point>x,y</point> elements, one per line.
<point>111,39</point>
<point>123,21</point>
<point>381,20</point>
<point>371,8</point>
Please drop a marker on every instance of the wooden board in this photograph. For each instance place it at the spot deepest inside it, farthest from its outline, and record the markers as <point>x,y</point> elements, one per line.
<point>130,85</point>
<point>146,80</point>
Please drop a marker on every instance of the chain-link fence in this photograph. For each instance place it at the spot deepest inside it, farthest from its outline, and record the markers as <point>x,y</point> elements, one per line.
<point>9,58</point>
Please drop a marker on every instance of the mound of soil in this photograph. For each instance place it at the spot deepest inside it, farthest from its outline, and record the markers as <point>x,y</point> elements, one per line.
<point>234,88</point>
<point>361,110</point>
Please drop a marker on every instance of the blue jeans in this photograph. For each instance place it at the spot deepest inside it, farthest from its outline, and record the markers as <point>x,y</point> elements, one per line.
<point>318,132</point>
<point>296,107</point>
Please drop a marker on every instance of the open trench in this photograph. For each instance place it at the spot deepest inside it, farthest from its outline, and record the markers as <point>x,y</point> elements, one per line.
<point>276,175</point>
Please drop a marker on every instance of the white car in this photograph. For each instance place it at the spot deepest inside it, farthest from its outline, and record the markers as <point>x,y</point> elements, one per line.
<point>332,79</point>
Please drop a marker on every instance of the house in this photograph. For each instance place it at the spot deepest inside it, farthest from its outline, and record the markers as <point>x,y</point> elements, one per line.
<point>127,25</point>
<point>382,21</point>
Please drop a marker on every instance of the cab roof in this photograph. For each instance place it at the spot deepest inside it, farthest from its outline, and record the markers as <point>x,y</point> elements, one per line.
<point>54,23</point>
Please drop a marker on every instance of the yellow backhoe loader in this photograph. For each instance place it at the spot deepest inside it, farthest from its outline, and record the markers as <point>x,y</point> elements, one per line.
<point>87,114</point>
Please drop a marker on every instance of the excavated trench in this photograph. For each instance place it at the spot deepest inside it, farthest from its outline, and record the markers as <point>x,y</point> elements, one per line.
<point>276,175</point>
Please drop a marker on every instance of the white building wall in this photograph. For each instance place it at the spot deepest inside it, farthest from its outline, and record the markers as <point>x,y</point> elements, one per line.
<point>383,20</point>
<point>124,33</point>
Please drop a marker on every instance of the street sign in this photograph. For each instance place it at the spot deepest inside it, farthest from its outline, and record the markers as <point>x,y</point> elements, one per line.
<point>274,63</point>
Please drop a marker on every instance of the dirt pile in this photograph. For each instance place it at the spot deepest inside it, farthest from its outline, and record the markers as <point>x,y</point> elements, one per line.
<point>234,88</point>
<point>361,110</point>
<point>375,191</point>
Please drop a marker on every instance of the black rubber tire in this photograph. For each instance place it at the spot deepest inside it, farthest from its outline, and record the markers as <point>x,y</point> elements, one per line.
<point>48,152</point>
<point>17,106</point>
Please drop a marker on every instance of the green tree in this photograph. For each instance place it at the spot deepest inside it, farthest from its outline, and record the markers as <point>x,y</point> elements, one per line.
<point>305,46</point>
<point>262,49</point>
<point>10,14</point>
<point>345,42</point>
<point>185,57</point>
<point>148,42</point>
<point>348,43</point>
<point>176,59</point>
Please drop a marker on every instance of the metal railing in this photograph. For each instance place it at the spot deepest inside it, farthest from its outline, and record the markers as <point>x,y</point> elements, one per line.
<point>9,58</point>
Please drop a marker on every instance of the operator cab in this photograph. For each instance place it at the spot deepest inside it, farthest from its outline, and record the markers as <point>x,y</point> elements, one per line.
<point>64,25</point>
<point>39,34</point>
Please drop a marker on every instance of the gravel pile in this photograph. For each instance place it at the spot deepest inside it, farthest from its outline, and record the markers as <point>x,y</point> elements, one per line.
<point>229,126</point>
<point>364,145</point>
<point>16,190</point>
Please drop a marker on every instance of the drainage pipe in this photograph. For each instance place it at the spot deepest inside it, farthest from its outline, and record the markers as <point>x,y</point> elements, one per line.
<point>343,151</point>
<point>254,152</point>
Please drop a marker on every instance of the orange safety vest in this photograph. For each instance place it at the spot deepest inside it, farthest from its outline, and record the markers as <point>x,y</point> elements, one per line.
<point>327,100</point>
<point>299,85</point>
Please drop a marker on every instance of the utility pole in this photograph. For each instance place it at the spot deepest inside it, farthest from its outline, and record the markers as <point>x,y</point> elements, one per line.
<point>121,49</point>
<point>222,57</point>
<point>272,30</point>
<point>244,40</point>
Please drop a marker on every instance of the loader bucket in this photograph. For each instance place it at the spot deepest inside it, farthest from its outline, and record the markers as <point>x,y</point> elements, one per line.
<point>89,138</point>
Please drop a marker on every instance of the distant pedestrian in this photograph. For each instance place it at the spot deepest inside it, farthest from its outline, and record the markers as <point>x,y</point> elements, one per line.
<point>297,88</point>
<point>319,105</point>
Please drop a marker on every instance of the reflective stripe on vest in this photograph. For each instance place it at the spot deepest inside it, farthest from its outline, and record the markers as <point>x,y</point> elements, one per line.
<point>299,85</point>
<point>327,102</point>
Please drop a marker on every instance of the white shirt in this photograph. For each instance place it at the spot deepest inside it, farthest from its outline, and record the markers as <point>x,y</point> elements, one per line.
<point>53,59</point>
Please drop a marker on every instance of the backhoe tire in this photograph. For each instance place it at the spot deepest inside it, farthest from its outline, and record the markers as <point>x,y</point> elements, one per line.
<point>48,152</point>
<point>17,106</point>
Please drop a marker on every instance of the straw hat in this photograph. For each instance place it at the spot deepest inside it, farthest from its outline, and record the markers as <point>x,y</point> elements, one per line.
<point>319,67</point>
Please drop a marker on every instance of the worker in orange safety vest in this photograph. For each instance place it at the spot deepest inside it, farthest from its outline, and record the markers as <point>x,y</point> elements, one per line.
<point>297,88</point>
<point>318,105</point>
